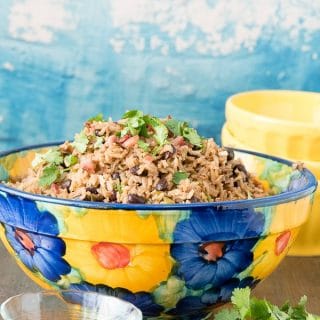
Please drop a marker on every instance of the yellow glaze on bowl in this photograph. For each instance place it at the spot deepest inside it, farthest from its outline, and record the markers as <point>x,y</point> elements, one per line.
<point>308,240</point>
<point>285,123</point>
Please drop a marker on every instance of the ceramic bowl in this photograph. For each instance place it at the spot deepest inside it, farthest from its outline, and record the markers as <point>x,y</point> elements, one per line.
<point>308,240</point>
<point>176,261</point>
<point>285,123</point>
<point>67,305</point>
<point>228,139</point>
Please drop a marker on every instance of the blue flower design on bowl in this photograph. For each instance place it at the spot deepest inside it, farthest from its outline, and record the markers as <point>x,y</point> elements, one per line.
<point>214,296</point>
<point>206,249</point>
<point>141,300</point>
<point>42,251</point>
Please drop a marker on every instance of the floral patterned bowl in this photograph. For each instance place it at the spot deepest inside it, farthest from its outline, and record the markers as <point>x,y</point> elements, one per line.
<point>171,261</point>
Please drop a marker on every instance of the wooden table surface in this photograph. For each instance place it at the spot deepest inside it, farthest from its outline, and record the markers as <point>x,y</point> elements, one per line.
<point>295,277</point>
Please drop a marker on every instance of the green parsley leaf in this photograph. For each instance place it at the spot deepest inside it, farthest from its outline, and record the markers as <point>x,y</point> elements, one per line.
<point>99,142</point>
<point>80,142</point>
<point>135,124</point>
<point>192,136</point>
<point>124,131</point>
<point>98,118</point>
<point>143,145</point>
<point>70,160</point>
<point>156,150</point>
<point>178,176</point>
<point>132,114</point>
<point>49,175</point>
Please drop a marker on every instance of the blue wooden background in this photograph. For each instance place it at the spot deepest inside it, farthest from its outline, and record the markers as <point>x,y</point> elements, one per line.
<point>62,61</point>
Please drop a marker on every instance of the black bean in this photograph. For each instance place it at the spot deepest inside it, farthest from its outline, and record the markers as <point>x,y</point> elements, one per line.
<point>134,170</point>
<point>115,176</point>
<point>113,196</point>
<point>230,155</point>
<point>168,154</point>
<point>134,198</point>
<point>66,184</point>
<point>237,184</point>
<point>194,199</point>
<point>240,167</point>
<point>162,185</point>
<point>93,190</point>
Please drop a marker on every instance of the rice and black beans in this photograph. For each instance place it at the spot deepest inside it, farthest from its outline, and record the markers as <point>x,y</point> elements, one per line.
<point>140,159</point>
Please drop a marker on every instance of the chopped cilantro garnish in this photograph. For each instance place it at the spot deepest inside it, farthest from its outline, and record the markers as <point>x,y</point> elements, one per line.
<point>49,175</point>
<point>250,308</point>
<point>53,156</point>
<point>80,142</point>
<point>161,131</point>
<point>179,176</point>
<point>98,118</point>
<point>181,128</point>
<point>70,160</point>
<point>143,145</point>
<point>133,114</point>
<point>192,136</point>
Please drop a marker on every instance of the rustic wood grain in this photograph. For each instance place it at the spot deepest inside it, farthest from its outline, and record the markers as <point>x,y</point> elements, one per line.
<point>294,278</point>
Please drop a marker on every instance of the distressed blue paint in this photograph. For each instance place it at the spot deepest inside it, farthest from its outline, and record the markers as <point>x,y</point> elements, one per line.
<point>55,86</point>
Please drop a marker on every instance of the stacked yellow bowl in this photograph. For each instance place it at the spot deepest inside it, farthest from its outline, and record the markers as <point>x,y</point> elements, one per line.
<point>285,124</point>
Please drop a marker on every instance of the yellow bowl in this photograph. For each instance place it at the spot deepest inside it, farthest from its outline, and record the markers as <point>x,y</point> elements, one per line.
<point>308,240</point>
<point>228,139</point>
<point>285,123</point>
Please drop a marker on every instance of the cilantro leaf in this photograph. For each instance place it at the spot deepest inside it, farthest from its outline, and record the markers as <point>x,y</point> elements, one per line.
<point>192,136</point>
<point>241,299</point>
<point>181,128</point>
<point>143,145</point>
<point>49,175</point>
<point>98,118</point>
<point>80,142</point>
<point>227,314</point>
<point>178,176</point>
<point>70,160</point>
<point>53,156</point>
<point>161,131</point>
<point>132,114</point>
<point>247,308</point>
<point>175,126</point>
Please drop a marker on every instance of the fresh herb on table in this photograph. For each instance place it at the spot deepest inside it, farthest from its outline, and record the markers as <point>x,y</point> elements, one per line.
<point>246,307</point>
<point>179,176</point>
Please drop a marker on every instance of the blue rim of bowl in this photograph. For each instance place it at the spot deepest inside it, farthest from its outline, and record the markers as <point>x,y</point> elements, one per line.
<point>284,197</point>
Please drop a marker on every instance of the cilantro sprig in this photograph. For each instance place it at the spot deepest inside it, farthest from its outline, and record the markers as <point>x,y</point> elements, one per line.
<point>246,307</point>
<point>178,176</point>
<point>181,128</point>
<point>80,142</point>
